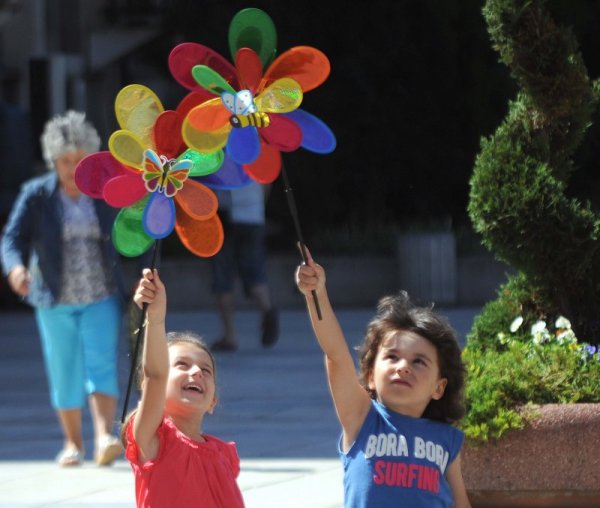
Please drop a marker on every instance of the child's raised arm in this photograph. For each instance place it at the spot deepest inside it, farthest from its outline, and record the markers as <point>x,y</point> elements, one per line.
<point>351,400</point>
<point>155,364</point>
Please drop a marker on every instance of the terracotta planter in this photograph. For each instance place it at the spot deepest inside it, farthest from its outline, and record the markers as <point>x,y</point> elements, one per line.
<point>553,462</point>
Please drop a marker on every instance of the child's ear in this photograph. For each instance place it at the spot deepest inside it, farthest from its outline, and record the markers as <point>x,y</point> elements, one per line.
<point>213,405</point>
<point>440,387</point>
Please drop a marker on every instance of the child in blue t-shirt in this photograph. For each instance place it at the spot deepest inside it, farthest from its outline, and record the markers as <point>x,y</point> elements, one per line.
<point>398,444</point>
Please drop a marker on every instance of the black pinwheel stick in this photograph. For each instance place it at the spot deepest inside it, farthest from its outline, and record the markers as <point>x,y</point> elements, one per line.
<point>294,211</point>
<point>138,341</point>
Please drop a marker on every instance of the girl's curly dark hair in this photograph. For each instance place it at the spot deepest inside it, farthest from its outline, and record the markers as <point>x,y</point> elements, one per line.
<point>397,312</point>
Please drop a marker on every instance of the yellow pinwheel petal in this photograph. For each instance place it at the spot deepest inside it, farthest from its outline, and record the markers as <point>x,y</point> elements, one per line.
<point>281,96</point>
<point>127,148</point>
<point>136,108</point>
<point>205,142</point>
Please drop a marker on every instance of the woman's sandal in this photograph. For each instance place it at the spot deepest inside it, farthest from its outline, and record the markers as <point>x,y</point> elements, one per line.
<point>109,448</point>
<point>69,457</point>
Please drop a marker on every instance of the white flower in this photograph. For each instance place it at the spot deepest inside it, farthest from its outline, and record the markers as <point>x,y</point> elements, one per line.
<point>538,327</point>
<point>566,337</point>
<point>516,324</point>
<point>540,333</point>
<point>562,323</point>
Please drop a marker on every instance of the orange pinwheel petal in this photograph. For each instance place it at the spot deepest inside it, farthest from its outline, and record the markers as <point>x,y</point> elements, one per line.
<point>304,64</point>
<point>198,201</point>
<point>209,116</point>
<point>203,238</point>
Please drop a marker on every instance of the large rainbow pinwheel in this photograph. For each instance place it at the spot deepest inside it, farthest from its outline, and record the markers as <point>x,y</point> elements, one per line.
<point>255,116</point>
<point>146,173</point>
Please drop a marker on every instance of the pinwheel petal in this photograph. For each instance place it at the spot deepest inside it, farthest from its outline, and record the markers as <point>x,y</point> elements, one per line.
<point>249,69</point>
<point>198,201</point>
<point>211,80</point>
<point>167,134</point>
<point>93,171</point>
<point>266,168</point>
<point>282,96</point>
<point>203,238</point>
<point>209,116</point>
<point>205,142</point>
<point>203,163</point>
<point>124,190</point>
<point>128,234</point>
<point>308,66</point>
<point>253,28</point>
<point>243,145</point>
<point>185,56</point>
<point>316,135</point>
<point>159,216</point>
<point>127,148</point>
<point>231,175</point>
<point>282,133</point>
<point>193,99</point>
<point>137,108</point>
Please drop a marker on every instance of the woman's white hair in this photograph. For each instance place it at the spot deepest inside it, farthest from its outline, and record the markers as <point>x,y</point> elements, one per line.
<point>68,133</point>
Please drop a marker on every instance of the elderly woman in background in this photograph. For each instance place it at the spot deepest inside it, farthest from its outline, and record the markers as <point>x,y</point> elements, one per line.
<point>57,254</point>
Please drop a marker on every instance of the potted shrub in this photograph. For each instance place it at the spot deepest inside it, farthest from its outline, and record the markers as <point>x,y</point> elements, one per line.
<point>533,364</point>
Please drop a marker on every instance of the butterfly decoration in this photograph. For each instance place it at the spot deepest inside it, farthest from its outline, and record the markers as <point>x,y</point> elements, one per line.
<point>255,115</point>
<point>164,175</point>
<point>147,173</point>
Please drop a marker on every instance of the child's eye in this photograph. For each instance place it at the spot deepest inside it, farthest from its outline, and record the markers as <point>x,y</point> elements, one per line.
<point>180,363</point>
<point>206,371</point>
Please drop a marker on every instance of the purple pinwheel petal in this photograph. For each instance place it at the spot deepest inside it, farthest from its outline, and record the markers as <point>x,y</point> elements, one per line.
<point>159,216</point>
<point>230,175</point>
<point>243,144</point>
<point>316,135</point>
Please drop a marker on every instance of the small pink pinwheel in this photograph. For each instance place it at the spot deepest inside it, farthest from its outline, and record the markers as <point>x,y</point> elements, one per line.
<point>256,116</point>
<point>146,174</point>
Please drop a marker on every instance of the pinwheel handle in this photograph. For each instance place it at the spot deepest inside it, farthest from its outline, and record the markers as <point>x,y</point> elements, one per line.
<point>140,333</point>
<point>292,206</point>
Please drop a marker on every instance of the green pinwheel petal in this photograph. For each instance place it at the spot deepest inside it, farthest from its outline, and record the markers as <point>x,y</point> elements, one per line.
<point>128,235</point>
<point>211,80</point>
<point>203,163</point>
<point>253,28</point>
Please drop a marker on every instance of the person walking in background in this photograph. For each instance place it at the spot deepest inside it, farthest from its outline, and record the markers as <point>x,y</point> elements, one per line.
<point>174,463</point>
<point>398,444</point>
<point>242,212</point>
<point>57,254</point>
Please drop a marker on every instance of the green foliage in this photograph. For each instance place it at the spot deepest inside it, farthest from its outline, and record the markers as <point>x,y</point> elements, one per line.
<point>518,196</point>
<point>505,381</point>
<point>520,205</point>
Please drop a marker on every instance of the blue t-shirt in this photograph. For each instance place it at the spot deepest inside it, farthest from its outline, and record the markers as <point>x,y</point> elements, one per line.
<point>399,460</point>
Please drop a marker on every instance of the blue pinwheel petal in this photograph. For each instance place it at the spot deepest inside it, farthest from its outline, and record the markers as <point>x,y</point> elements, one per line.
<point>243,144</point>
<point>316,135</point>
<point>230,175</point>
<point>159,216</point>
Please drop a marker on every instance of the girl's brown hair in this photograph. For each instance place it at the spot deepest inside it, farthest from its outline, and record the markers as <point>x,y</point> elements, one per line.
<point>396,313</point>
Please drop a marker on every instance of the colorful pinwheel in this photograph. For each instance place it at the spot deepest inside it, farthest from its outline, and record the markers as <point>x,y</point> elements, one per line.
<point>256,116</point>
<point>146,174</point>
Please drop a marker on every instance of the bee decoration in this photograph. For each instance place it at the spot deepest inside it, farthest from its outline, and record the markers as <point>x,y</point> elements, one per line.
<point>244,111</point>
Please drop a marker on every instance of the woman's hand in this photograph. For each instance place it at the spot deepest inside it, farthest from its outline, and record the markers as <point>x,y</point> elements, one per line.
<point>19,279</point>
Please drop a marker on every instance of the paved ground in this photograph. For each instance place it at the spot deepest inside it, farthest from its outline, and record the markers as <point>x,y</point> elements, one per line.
<point>273,403</point>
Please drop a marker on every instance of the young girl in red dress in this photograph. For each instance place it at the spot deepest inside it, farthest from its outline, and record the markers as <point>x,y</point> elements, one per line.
<point>174,463</point>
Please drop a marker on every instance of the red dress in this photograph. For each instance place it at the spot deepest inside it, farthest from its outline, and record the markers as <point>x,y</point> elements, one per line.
<point>186,473</point>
